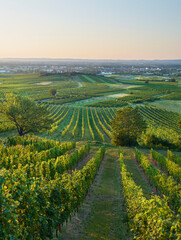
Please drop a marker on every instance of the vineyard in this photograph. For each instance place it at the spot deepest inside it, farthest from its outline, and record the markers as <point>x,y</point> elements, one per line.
<point>94,123</point>
<point>161,117</point>
<point>81,123</point>
<point>153,217</point>
<point>44,184</point>
<point>69,182</point>
<point>41,178</point>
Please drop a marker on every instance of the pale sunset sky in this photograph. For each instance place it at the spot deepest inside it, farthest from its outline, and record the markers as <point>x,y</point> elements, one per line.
<point>90,29</point>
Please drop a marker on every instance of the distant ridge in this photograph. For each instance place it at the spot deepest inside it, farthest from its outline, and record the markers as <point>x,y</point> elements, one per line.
<point>56,60</point>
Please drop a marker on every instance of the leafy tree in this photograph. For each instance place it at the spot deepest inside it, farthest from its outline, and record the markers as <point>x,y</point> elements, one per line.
<point>172,80</point>
<point>127,125</point>
<point>25,114</point>
<point>53,92</point>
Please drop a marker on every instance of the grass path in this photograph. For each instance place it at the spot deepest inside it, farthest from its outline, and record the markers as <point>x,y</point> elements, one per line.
<point>102,215</point>
<point>137,173</point>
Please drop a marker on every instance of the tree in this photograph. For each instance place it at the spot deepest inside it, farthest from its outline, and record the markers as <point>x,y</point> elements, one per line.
<point>172,80</point>
<point>26,115</point>
<point>53,92</point>
<point>127,125</point>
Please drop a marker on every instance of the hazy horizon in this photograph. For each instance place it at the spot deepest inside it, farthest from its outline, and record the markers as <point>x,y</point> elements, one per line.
<point>88,59</point>
<point>91,30</point>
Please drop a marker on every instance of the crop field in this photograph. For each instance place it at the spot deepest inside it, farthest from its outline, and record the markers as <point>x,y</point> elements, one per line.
<point>81,123</point>
<point>85,91</point>
<point>161,117</point>
<point>174,105</point>
<point>60,179</point>
<point>94,123</point>
<point>70,182</point>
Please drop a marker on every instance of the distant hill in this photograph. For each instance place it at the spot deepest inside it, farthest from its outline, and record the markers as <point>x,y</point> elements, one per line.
<point>98,61</point>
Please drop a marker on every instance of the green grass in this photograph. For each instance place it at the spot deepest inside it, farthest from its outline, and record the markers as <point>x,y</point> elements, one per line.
<point>88,79</point>
<point>170,105</point>
<point>107,218</point>
<point>138,177</point>
<point>4,135</point>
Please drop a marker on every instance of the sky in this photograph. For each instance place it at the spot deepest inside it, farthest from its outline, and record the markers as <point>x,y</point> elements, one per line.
<point>90,29</point>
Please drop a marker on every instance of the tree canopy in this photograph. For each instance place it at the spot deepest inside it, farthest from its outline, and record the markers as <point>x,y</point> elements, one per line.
<point>127,125</point>
<point>53,92</point>
<point>25,114</point>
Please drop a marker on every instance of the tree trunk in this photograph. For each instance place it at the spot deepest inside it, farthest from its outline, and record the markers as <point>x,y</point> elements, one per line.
<point>20,130</point>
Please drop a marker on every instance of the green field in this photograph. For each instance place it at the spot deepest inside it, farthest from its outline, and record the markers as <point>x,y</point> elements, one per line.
<point>174,105</point>
<point>70,183</point>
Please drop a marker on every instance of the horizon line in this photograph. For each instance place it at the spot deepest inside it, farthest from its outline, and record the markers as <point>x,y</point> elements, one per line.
<point>89,59</point>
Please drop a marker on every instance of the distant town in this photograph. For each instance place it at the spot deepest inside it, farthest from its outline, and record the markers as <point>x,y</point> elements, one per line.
<point>102,67</point>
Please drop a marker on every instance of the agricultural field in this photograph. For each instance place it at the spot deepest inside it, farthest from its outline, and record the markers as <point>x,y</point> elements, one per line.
<point>68,190</point>
<point>173,105</point>
<point>70,182</point>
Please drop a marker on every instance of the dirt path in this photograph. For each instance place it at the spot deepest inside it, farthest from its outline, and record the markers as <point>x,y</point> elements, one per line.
<point>83,161</point>
<point>102,215</point>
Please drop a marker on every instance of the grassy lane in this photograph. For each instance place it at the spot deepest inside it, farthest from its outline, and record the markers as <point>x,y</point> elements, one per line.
<point>87,135</point>
<point>4,135</point>
<point>78,132</point>
<point>138,176</point>
<point>107,218</point>
<point>102,216</point>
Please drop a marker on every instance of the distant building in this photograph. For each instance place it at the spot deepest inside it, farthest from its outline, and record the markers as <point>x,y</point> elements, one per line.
<point>106,73</point>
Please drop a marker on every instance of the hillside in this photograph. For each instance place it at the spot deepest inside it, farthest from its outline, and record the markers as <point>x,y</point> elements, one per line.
<point>69,182</point>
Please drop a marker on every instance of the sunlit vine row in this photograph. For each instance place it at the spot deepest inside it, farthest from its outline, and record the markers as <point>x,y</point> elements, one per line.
<point>98,130</point>
<point>148,218</point>
<point>69,125</point>
<point>166,185</point>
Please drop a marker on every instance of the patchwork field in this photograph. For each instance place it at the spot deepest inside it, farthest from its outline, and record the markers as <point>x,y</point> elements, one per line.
<point>70,182</point>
